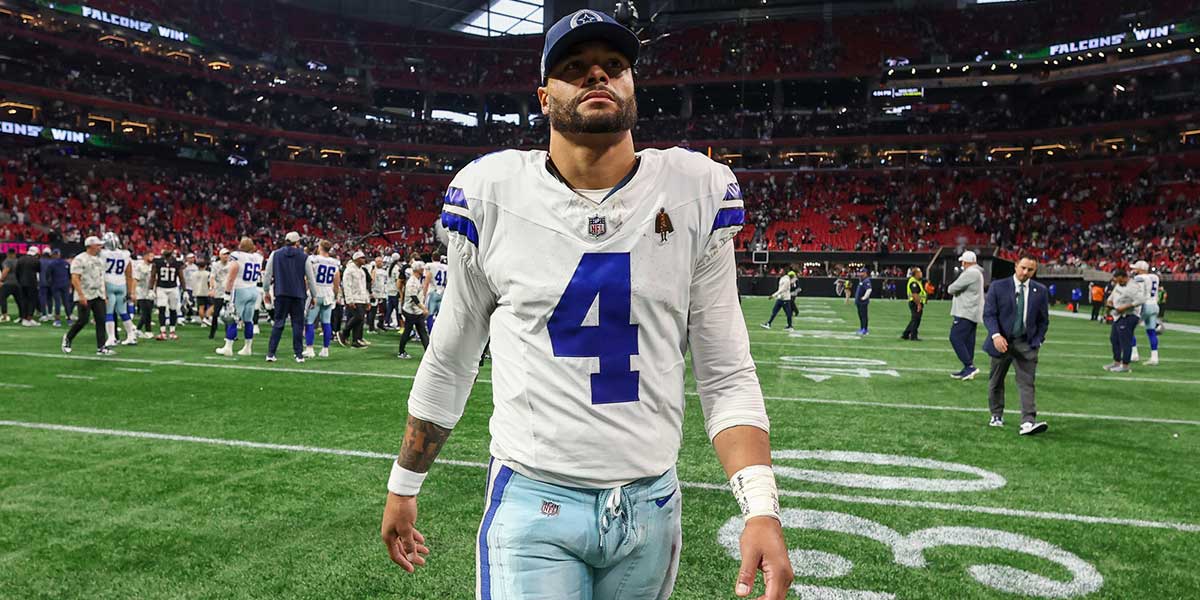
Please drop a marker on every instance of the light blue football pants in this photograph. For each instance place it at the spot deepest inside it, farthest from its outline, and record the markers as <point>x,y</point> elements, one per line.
<point>540,541</point>
<point>245,302</point>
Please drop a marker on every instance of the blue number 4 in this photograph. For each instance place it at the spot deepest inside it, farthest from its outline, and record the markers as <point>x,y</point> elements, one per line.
<point>613,339</point>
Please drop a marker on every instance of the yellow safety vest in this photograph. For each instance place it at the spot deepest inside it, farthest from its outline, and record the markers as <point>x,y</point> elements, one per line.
<point>908,288</point>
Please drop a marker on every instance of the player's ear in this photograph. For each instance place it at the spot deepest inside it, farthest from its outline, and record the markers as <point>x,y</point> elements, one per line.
<point>543,95</point>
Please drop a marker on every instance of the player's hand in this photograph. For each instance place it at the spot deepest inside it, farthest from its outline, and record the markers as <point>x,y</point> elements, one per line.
<point>82,301</point>
<point>763,550</point>
<point>1000,343</point>
<point>267,298</point>
<point>405,545</point>
<point>312,303</point>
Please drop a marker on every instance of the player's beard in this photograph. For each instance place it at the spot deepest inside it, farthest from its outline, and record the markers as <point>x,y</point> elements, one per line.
<point>566,118</point>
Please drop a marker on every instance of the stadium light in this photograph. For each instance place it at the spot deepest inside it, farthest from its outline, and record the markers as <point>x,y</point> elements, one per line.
<point>985,84</point>
<point>966,68</point>
<point>993,66</point>
<point>1101,55</point>
<point>914,71</point>
<point>891,71</point>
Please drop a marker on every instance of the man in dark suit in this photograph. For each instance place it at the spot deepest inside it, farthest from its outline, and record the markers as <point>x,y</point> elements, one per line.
<point>1016,313</point>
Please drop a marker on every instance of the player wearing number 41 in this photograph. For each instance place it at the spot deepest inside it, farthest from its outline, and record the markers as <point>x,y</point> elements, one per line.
<point>588,348</point>
<point>119,289</point>
<point>241,285</point>
<point>1016,312</point>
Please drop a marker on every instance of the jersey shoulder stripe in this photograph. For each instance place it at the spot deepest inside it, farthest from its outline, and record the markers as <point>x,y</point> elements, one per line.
<point>729,217</point>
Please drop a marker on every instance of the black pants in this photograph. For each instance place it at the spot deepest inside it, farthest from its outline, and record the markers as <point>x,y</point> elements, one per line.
<point>335,318</point>
<point>288,307</point>
<point>217,303</point>
<point>914,321</point>
<point>145,310</point>
<point>787,311</point>
<point>7,290</point>
<point>29,301</point>
<point>962,339</point>
<point>1096,309</point>
<point>1122,338</point>
<point>355,315</point>
<point>414,323</point>
<point>862,315</point>
<point>95,306</point>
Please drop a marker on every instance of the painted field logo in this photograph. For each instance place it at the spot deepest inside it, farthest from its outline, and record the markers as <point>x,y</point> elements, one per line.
<point>910,550</point>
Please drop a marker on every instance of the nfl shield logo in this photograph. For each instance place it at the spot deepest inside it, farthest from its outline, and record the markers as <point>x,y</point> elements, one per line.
<point>597,226</point>
<point>549,508</point>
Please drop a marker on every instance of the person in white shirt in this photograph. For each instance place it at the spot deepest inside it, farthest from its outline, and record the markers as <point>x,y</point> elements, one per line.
<point>242,285</point>
<point>357,297</point>
<point>783,300</point>
<point>437,275</point>
<point>414,310</point>
<point>1150,310</point>
<point>189,293</point>
<point>119,290</point>
<point>142,274</point>
<point>967,311</point>
<point>87,278</point>
<point>325,285</point>
<point>216,292</point>
<point>200,279</point>
<point>1126,301</point>
<point>592,301</point>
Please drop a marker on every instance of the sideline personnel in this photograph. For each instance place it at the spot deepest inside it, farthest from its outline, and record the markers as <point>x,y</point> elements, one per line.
<point>1016,313</point>
<point>916,305</point>
<point>967,310</point>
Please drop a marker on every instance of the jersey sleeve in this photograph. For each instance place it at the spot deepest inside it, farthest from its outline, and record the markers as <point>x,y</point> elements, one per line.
<point>725,374</point>
<point>448,370</point>
<point>728,211</point>
<point>444,379</point>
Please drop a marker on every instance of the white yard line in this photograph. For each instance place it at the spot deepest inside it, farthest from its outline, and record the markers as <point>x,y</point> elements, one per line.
<point>927,407</point>
<point>129,370</point>
<point>1114,377</point>
<point>19,386</point>
<point>938,349</point>
<point>80,377</point>
<point>223,365</point>
<point>849,499</point>
<point>1169,326</point>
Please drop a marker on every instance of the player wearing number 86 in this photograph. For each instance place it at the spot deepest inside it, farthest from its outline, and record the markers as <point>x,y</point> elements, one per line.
<point>588,348</point>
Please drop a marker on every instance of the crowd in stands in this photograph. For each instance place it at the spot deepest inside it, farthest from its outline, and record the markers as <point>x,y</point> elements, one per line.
<point>157,208</point>
<point>1099,215</point>
<point>1095,215</point>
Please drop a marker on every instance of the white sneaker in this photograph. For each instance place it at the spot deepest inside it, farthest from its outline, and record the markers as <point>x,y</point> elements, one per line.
<point>271,358</point>
<point>788,329</point>
<point>257,330</point>
<point>300,359</point>
<point>66,345</point>
<point>996,422</point>
<point>245,351</point>
<point>110,342</point>
<point>225,351</point>
<point>308,353</point>
<point>129,341</point>
<point>324,353</point>
<point>1028,428</point>
<point>764,325</point>
<point>1134,357</point>
<point>1152,362</point>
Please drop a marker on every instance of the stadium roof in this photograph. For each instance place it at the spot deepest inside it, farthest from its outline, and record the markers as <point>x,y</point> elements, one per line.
<point>503,17</point>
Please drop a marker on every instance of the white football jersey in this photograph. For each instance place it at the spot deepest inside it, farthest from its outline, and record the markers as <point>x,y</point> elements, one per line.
<point>440,275</point>
<point>591,308</point>
<point>116,262</point>
<point>323,270</point>
<point>1149,282</point>
<point>250,265</point>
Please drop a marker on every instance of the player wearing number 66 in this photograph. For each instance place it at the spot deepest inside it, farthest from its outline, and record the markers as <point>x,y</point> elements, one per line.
<point>588,348</point>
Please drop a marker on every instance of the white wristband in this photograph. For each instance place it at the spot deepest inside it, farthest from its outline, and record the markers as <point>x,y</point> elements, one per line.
<point>403,482</point>
<point>754,488</point>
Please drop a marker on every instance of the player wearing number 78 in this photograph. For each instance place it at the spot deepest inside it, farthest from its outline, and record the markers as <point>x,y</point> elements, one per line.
<point>588,348</point>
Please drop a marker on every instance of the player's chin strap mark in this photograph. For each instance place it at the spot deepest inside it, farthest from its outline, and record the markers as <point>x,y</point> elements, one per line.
<point>754,488</point>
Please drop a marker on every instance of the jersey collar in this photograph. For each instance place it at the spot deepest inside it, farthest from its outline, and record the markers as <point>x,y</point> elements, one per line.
<point>553,170</point>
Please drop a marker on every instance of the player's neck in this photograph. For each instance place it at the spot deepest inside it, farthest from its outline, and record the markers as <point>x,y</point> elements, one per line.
<point>590,161</point>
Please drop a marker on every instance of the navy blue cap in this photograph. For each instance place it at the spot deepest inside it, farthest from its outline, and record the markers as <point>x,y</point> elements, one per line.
<point>585,26</point>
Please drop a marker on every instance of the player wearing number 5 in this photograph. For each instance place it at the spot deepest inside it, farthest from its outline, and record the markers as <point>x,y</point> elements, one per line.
<point>1016,312</point>
<point>588,348</point>
<point>245,270</point>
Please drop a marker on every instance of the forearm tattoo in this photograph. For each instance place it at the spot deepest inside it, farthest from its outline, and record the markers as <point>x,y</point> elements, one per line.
<point>422,442</point>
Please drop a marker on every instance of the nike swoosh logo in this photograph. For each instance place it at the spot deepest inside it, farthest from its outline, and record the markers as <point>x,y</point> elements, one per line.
<point>661,502</point>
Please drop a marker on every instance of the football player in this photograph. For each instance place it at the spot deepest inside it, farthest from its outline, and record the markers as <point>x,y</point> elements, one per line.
<point>436,276</point>
<point>216,290</point>
<point>1149,282</point>
<point>119,290</point>
<point>166,279</point>
<point>241,284</point>
<point>588,365</point>
<point>325,280</point>
<point>143,271</point>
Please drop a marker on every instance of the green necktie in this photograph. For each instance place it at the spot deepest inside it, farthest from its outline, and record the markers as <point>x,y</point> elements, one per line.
<point>1019,326</point>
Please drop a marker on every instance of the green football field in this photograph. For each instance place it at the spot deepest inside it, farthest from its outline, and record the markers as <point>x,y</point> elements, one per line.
<point>170,472</point>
